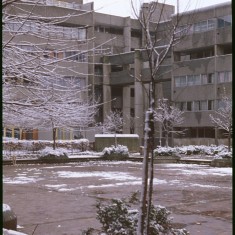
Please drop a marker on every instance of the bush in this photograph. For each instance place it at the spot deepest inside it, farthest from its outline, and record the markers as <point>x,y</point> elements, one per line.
<point>118,152</point>
<point>50,154</point>
<point>118,218</point>
<point>211,150</point>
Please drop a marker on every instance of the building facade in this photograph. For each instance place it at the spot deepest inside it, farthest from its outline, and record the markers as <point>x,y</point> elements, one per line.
<point>193,76</point>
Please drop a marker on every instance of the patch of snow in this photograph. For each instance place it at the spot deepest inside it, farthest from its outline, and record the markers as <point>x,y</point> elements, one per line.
<point>119,176</point>
<point>20,180</point>
<point>52,167</point>
<point>84,156</point>
<point>6,207</point>
<point>120,149</point>
<point>117,135</point>
<point>56,186</point>
<point>56,152</point>
<point>12,232</point>
<point>204,186</point>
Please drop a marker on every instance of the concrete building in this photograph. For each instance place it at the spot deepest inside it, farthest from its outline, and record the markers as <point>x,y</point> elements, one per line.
<point>192,76</point>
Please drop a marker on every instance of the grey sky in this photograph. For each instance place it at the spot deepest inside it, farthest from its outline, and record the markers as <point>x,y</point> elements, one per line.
<point>123,7</point>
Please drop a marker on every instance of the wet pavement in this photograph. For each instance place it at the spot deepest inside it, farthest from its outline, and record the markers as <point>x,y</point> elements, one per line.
<point>60,199</point>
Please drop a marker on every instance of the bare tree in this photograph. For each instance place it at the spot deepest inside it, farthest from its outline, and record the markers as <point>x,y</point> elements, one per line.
<point>222,118</point>
<point>113,124</point>
<point>158,39</point>
<point>168,116</point>
<point>45,66</point>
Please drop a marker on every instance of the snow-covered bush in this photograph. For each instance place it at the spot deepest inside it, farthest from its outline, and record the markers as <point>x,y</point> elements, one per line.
<point>49,153</point>
<point>224,155</point>
<point>116,219</point>
<point>12,144</point>
<point>119,152</point>
<point>191,150</point>
<point>119,218</point>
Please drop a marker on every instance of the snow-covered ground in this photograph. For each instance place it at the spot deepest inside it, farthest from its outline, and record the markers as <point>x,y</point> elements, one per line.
<point>84,182</point>
<point>110,177</point>
<point>12,232</point>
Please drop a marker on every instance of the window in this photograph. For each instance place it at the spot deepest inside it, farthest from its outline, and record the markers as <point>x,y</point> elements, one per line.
<point>210,104</point>
<point>181,105</point>
<point>132,92</point>
<point>200,26</point>
<point>225,76</point>
<point>207,78</point>
<point>220,104</point>
<point>180,81</point>
<point>194,80</point>
<point>71,55</point>
<point>202,53</point>
<point>197,106</point>
<point>183,30</point>
<point>203,105</point>
<point>201,133</point>
<point>211,24</point>
<point>209,132</point>
<point>204,25</point>
<point>189,106</point>
<point>224,21</point>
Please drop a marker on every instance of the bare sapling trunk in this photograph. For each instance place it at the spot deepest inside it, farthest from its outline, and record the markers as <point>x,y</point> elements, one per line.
<point>54,137</point>
<point>150,190</point>
<point>144,188</point>
<point>229,139</point>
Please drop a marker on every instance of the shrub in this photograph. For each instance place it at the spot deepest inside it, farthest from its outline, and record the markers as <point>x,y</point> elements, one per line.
<point>119,218</point>
<point>50,154</point>
<point>211,150</point>
<point>118,152</point>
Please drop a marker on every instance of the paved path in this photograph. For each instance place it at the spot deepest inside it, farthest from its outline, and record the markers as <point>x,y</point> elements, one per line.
<point>60,199</point>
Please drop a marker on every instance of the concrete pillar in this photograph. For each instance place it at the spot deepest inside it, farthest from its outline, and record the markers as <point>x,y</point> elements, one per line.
<point>127,34</point>
<point>139,97</point>
<point>126,109</point>
<point>106,87</point>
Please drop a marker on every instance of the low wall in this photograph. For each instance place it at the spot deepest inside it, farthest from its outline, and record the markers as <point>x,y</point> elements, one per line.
<point>106,140</point>
<point>199,141</point>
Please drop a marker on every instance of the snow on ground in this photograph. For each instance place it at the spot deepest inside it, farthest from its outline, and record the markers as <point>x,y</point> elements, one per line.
<point>119,176</point>
<point>21,180</point>
<point>111,178</point>
<point>199,169</point>
<point>12,232</point>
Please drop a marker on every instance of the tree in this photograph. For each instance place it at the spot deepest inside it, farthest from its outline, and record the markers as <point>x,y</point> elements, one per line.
<point>168,117</point>
<point>222,118</point>
<point>157,43</point>
<point>113,124</point>
<point>45,66</point>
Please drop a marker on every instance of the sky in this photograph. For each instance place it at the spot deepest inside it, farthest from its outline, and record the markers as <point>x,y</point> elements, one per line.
<point>123,7</point>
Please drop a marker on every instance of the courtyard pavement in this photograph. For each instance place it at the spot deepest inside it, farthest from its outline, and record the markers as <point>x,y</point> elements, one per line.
<point>60,199</point>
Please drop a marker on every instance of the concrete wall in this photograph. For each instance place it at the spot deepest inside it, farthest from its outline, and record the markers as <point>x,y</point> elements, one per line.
<point>104,140</point>
<point>199,141</point>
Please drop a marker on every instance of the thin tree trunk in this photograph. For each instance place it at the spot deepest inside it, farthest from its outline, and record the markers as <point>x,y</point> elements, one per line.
<point>115,139</point>
<point>229,140</point>
<point>54,137</point>
<point>167,144</point>
<point>144,188</point>
<point>150,191</point>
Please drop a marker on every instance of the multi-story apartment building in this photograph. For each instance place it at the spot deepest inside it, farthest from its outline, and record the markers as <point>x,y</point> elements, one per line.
<point>192,76</point>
